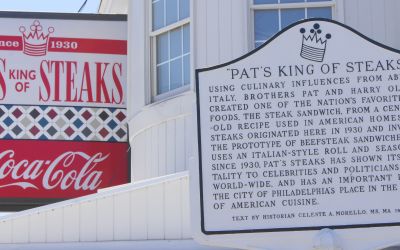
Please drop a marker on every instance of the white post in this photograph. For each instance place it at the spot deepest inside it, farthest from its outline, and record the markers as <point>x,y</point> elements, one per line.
<point>326,239</point>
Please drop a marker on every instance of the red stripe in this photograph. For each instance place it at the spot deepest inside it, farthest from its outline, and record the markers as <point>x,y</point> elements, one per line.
<point>84,45</point>
<point>60,44</point>
<point>11,40</point>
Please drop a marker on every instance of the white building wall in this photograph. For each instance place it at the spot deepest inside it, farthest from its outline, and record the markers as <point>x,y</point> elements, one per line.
<point>221,31</point>
<point>377,19</point>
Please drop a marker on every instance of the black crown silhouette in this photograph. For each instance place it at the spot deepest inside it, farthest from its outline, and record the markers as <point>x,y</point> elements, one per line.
<point>314,44</point>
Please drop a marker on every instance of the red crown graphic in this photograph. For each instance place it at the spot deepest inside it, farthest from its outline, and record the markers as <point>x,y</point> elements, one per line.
<point>35,42</point>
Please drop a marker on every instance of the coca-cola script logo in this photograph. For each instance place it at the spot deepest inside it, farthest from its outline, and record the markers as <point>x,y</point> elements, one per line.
<point>71,169</point>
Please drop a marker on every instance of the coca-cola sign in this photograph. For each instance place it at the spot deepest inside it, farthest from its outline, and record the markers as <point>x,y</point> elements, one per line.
<point>30,169</point>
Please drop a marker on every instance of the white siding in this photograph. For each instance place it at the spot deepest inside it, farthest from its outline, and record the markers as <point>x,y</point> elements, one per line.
<point>113,7</point>
<point>159,140</point>
<point>20,230</point>
<point>221,31</point>
<point>71,223</point>
<point>88,220</point>
<point>105,219</point>
<point>139,218</point>
<point>37,229</point>
<point>155,209</point>
<point>122,217</point>
<point>6,232</point>
<point>377,19</point>
<point>54,229</point>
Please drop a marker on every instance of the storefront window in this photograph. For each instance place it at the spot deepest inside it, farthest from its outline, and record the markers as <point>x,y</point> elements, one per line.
<point>171,45</point>
<point>270,16</point>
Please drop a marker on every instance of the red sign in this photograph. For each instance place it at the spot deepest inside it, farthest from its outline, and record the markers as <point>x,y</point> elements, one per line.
<point>55,169</point>
<point>63,82</point>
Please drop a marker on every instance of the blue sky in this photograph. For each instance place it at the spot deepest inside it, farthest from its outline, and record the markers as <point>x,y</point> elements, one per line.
<point>70,6</point>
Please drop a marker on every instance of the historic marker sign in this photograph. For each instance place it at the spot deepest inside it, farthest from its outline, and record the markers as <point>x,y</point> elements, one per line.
<point>62,105</point>
<point>301,134</point>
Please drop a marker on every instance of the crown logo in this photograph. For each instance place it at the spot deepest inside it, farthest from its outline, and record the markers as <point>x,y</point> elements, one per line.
<point>314,44</point>
<point>35,41</point>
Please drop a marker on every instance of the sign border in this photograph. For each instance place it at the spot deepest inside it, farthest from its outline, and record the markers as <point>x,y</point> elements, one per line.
<point>286,229</point>
<point>64,16</point>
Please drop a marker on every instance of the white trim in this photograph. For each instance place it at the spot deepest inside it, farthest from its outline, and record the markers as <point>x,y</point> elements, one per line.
<point>154,97</point>
<point>169,94</point>
<point>182,55</point>
<point>292,5</point>
<point>192,44</point>
<point>250,27</point>
<point>282,6</point>
<point>339,13</point>
<point>170,27</point>
<point>172,59</point>
<point>150,55</point>
<point>169,60</point>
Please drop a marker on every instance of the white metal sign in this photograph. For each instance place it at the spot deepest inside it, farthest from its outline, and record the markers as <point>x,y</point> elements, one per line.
<point>65,62</point>
<point>301,134</point>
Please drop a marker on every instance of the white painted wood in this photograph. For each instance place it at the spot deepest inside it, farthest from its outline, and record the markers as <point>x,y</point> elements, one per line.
<point>392,20</point>
<point>376,19</point>
<point>200,33</point>
<point>339,11</point>
<point>148,144</point>
<point>241,30</point>
<point>54,225</point>
<point>186,227</point>
<point>113,7</point>
<point>122,216</point>
<point>152,209</point>
<point>105,219</point>
<point>180,144</point>
<point>153,160</point>
<point>155,215</point>
<point>71,229</point>
<point>139,213</point>
<point>138,42</point>
<point>170,146</point>
<point>6,231</point>
<point>172,212</point>
<point>88,221</point>
<point>138,157</point>
<point>162,111</point>
<point>190,139</point>
<point>20,230</point>
<point>225,30</point>
<point>37,227</point>
<point>364,20</point>
<point>213,50</point>
<point>377,12</point>
<point>162,149</point>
